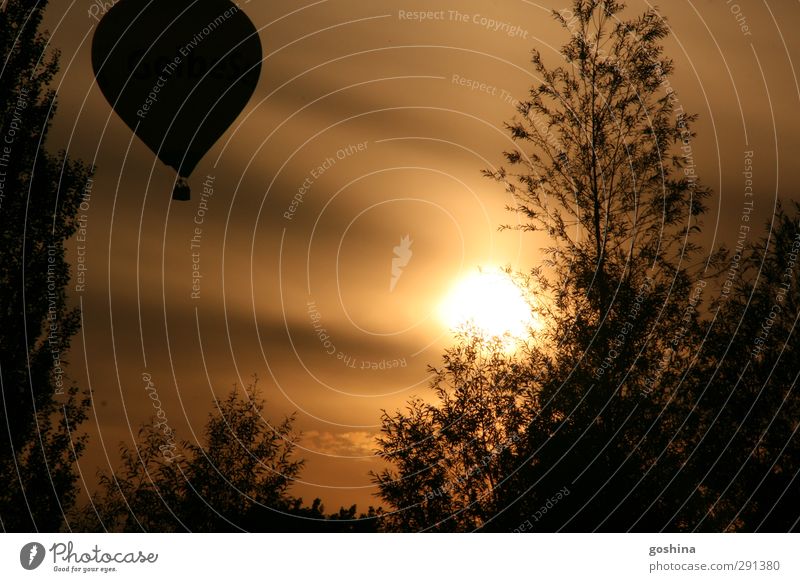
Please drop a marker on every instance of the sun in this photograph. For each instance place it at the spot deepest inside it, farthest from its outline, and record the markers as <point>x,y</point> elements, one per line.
<point>490,303</point>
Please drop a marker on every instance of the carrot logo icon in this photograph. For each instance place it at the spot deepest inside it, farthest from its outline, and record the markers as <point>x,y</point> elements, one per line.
<point>31,555</point>
<point>401,259</point>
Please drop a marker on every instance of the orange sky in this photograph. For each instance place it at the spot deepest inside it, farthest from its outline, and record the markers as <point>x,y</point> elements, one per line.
<point>384,104</point>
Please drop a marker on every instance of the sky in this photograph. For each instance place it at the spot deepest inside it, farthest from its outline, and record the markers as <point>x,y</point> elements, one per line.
<point>367,126</point>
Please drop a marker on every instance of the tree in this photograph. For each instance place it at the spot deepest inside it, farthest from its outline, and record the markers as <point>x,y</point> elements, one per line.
<point>40,195</point>
<point>603,167</point>
<point>237,479</point>
<point>750,451</point>
<point>450,458</point>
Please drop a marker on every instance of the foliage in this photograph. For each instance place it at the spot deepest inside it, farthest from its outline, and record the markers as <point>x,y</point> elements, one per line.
<point>39,198</point>
<point>603,396</point>
<point>750,455</point>
<point>453,456</point>
<point>238,479</point>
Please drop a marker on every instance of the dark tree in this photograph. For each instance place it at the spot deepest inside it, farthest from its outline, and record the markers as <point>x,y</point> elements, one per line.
<point>237,479</point>
<point>604,167</point>
<point>750,453</point>
<point>40,195</point>
<point>450,458</point>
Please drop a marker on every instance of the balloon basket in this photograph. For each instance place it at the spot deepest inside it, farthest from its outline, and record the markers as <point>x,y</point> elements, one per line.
<point>181,191</point>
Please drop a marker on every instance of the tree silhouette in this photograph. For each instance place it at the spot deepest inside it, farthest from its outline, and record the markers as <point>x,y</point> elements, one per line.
<point>453,456</point>
<point>604,167</point>
<point>237,479</point>
<point>750,406</point>
<point>40,195</point>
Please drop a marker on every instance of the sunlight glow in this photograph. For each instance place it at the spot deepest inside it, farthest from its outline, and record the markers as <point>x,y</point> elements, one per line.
<point>489,302</point>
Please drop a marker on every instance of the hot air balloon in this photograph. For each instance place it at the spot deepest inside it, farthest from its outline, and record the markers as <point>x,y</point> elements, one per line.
<point>178,73</point>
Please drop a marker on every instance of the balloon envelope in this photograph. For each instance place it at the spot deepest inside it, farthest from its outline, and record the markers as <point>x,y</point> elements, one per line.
<point>178,72</point>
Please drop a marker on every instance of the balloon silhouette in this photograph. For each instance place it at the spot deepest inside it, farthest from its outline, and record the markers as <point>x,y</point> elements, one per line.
<point>178,73</point>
